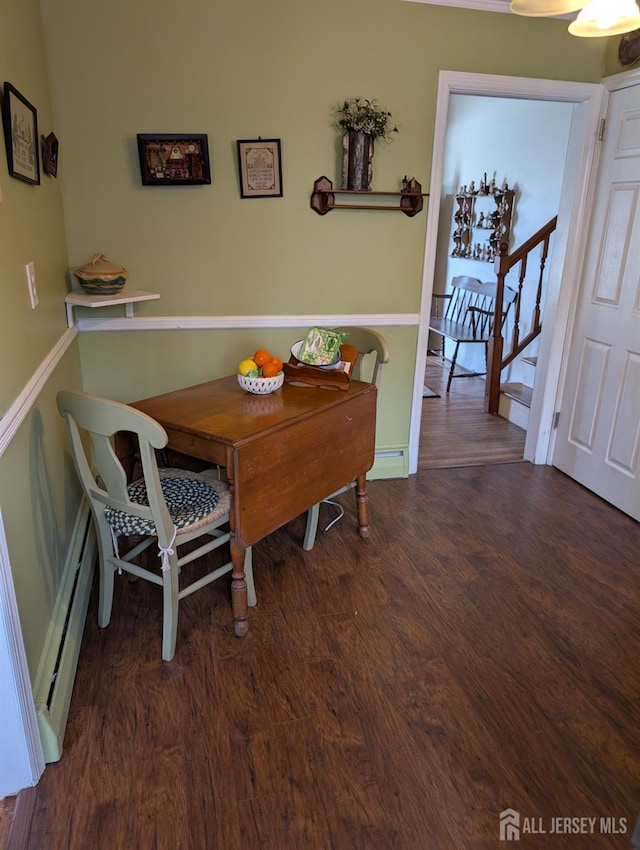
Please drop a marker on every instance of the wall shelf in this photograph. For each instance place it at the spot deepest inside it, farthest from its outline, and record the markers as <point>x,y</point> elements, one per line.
<point>323,198</point>
<point>84,299</point>
<point>482,221</point>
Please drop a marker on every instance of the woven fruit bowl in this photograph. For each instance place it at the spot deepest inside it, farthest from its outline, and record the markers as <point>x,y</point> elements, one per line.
<point>261,386</point>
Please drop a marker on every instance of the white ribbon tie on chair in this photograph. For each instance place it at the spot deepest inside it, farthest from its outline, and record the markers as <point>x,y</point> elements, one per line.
<point>116,550</point>
<point>165,554</point>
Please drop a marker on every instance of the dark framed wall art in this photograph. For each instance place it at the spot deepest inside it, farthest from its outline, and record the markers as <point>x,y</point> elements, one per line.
<point>260,168</point>
<point>20,121</point>
<point>174,159</point>
<point>50,155</point>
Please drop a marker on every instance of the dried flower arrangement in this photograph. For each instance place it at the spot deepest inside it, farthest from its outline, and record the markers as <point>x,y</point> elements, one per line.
<point>360,115</point>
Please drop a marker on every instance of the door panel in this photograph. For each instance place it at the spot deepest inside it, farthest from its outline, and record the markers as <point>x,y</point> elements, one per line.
<point>625,435</point>
<point>598,441</point>
<point>587,401</point>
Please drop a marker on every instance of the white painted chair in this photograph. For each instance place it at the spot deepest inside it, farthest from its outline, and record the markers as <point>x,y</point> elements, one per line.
<point>373,353</point>
<point>167,506</point>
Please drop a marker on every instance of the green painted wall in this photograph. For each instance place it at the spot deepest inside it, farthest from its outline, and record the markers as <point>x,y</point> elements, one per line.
<point>243,70</point>
<point>192,357</point>
<point>612,63</point>
<point>31,220</point>
<point>38,494</point>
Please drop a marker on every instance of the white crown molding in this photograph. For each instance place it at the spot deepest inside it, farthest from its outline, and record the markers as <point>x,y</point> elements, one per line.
<point>481,5</point>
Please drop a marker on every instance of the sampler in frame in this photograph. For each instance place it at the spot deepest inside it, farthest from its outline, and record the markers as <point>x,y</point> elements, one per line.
<point>260,168</point>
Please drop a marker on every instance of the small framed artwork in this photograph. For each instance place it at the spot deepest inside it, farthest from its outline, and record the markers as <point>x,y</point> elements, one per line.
<point>174,159</point>
<point>50,154</point>
<point>260,168</point>
<point>21,138</point>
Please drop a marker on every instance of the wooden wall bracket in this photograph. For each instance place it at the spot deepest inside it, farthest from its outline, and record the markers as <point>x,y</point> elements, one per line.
<point>323,198</point>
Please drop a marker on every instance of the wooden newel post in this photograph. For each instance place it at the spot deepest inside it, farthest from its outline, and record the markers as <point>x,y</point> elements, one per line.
<point>495,345</point>
<point>491,387</point>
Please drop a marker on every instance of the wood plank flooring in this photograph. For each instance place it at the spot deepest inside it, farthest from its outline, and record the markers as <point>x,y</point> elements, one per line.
<point>479,652</point>
<point>455,430</point>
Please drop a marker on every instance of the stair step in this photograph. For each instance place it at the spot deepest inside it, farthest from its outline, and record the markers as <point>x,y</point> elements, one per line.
<point>532,361</point>
<point>518,392</point>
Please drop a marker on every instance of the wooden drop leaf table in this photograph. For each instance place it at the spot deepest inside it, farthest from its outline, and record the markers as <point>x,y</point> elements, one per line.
<point>282,452</point>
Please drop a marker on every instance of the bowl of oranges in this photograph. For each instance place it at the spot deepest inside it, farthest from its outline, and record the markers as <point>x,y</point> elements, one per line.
<point>261,374</point>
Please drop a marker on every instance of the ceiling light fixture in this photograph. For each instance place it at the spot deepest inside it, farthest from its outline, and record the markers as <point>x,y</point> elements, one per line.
<point>545,8</point>
<point>606,17</point>
<point>597,18</point>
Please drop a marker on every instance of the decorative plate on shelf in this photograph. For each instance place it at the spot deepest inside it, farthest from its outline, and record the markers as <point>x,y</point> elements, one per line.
<point>295,350</point>
<point>629,49</point>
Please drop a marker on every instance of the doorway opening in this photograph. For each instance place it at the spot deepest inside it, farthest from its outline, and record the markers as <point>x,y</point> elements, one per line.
<point>588,102</point>
<point>455,430</point>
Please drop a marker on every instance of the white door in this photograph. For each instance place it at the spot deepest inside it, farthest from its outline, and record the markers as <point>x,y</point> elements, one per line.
<point>598,440</point>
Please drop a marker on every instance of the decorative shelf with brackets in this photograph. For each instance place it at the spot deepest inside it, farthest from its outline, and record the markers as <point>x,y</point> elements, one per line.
<point>482,220</point>
<point>128,298</point>
<point>323,198</point>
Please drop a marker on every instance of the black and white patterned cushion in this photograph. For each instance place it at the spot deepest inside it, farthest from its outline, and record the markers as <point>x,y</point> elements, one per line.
<point>190,499</point>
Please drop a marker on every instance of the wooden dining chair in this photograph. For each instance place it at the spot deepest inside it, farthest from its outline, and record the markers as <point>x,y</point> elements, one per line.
<point>373,353</point>
<point>169,507</point>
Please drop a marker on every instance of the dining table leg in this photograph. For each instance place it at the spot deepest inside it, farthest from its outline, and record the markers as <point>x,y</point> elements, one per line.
<point>362,502</point>
<point>239,590</point>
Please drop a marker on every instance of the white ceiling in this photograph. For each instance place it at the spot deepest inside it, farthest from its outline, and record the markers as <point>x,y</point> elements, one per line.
<point>484,5</point>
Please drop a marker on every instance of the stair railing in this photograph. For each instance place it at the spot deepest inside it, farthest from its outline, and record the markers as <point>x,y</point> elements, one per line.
<point>504,262</point>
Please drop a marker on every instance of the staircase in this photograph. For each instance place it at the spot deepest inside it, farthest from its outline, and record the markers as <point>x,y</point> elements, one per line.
<point>497,394</point>
<point>515,398</point>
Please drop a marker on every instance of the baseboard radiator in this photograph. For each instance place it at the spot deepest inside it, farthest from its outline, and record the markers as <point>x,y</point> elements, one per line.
<point>57,668</point>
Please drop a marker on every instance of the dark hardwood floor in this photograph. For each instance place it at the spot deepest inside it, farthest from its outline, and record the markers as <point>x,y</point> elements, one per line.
<point>455,430</point>
<point>479,652</point>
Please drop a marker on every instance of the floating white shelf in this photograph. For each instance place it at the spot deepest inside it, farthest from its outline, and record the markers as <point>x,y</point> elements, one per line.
<point>128,298</point>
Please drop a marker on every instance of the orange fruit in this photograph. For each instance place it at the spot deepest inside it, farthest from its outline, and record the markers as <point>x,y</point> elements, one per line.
<point>278,362</point>
<point>270,369</point>
<point>261,356</point>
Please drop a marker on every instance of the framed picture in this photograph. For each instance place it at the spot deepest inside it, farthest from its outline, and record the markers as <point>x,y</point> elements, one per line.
<point>50,154</point>
<point>260,168</point>
<point>21,138</point>
<point>174,159</point>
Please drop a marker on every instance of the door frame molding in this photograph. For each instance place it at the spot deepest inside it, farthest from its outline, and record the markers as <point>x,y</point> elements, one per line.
<point>23,762</point>
<point>624,80</point>
<point>590,100</point>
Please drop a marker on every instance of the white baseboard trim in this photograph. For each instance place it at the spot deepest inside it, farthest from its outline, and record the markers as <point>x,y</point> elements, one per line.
<point>59,661</point>
<point>390,462</point>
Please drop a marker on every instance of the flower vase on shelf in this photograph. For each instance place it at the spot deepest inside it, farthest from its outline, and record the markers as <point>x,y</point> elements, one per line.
<point>357,166</point>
